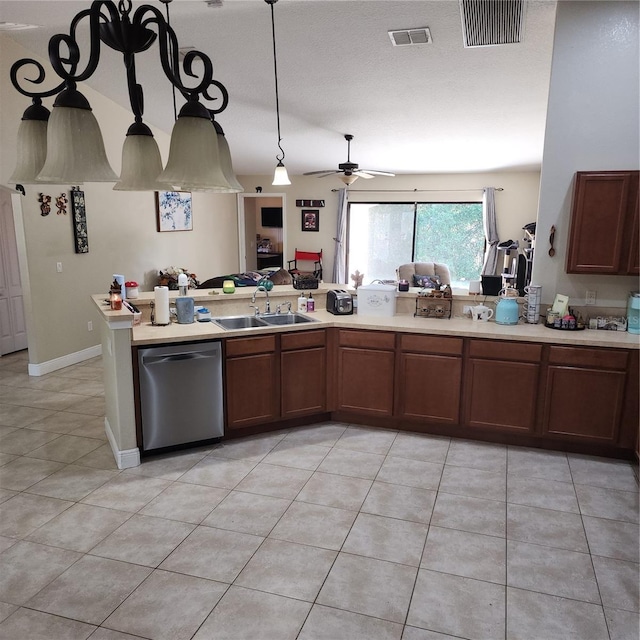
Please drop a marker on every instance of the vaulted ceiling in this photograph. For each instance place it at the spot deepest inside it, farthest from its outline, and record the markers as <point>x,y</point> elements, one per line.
<point>428,108</point>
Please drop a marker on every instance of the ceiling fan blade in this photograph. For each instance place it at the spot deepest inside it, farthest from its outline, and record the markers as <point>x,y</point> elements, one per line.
<point>363,174</point>
<point>325,172</point>
<point>377,173</point>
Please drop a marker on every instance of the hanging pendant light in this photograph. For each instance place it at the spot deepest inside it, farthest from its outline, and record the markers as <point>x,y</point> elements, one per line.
<point>66,146</point>
<point>141,161</point>
<point>280,176</point>
<point>75,149</point>
<point>32,143</point>
<point>225,160</point>
<point>194,160</point>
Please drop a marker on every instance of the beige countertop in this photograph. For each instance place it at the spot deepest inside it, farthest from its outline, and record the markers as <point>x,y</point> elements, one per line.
<point>146,333</point>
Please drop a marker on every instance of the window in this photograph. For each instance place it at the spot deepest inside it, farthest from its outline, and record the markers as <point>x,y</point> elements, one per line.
<point>382,236</point>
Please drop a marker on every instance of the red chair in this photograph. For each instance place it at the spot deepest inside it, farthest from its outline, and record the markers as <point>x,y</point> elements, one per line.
<point>314,257</point>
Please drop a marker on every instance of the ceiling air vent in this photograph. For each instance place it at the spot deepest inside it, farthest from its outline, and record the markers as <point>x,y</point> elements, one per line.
<point>410,36</point>
<point>488,23</point>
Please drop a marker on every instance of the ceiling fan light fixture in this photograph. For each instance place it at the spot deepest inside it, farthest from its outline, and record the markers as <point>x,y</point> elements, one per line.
<point>348,179</point>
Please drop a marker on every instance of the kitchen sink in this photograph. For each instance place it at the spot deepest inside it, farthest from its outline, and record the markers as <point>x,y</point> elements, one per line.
<point>239,322</point>
<point>286,318</point>
<point>232,323</point>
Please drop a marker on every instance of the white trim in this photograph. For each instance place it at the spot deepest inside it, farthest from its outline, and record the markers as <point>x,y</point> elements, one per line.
<point>65,361</point>
<point>124,459</point>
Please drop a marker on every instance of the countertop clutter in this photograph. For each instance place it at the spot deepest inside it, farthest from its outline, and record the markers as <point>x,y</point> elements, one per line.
<point>238,304</point>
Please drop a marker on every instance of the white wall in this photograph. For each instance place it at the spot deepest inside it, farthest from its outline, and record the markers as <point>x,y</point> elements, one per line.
<point>592,124</point>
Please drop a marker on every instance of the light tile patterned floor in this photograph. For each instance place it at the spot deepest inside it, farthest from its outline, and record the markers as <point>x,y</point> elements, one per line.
<point>329,532</point>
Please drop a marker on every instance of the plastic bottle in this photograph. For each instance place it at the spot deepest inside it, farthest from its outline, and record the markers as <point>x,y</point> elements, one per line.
<point>302,303</point>
<point>311,303</point>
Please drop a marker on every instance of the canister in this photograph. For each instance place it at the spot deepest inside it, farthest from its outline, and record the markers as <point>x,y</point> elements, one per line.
<point>633,312</point>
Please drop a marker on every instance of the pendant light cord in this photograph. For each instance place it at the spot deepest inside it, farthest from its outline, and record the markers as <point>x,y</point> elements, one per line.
<point>275,70</point>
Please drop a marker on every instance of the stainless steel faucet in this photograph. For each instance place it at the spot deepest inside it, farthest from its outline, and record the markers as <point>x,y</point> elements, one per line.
<point>267,307</point>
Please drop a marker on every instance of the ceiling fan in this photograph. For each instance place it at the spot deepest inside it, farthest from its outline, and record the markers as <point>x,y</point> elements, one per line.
<point>349,170</point>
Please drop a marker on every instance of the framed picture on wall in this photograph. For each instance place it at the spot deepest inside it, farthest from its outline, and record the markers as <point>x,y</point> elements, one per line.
<point>310,220</point>
<point>173,211</point>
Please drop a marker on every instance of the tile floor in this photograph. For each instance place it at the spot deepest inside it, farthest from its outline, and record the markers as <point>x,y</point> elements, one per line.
<point>327,532</point>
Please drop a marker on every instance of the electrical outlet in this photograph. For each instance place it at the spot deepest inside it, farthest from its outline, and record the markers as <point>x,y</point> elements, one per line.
<point>590,297</point>
<point>59,267</point>
<point>90,326</point>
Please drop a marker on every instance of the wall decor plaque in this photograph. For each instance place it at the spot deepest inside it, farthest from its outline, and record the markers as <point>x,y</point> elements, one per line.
<point>80,232</point>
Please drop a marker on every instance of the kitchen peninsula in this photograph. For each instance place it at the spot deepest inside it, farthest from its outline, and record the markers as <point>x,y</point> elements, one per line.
<point>521,384</point>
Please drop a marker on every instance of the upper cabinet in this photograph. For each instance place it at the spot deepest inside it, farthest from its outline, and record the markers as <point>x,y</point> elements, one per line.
<point>604,223</point>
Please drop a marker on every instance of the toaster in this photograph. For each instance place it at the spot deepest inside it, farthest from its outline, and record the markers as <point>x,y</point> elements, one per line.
<point>339,302</point>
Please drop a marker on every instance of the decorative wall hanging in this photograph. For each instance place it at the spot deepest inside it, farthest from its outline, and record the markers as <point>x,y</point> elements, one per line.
<point>61,204</point>
<point>309,203</point>
<point>174,211</point>
<point>310,220</point>
<point>79,212</point>
<point>45,204</point>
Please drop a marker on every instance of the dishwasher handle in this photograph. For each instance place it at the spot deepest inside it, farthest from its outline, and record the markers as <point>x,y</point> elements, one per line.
<point>147,360</point>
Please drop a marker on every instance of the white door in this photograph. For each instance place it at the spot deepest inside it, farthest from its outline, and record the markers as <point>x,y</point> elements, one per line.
<point>13,328</point>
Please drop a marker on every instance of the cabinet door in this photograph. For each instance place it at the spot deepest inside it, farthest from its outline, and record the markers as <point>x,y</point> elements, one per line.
<point>252,390</point>
<point>501,395</point>
<point>365,381</point>
<point>304,382</point>
<point>633,261</point>
<point>600,222</point>
<point>583,402</point>
<point>429,387</point>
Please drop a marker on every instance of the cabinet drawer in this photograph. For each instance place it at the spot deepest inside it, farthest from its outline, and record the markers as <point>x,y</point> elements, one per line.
<point>596,358</point>
<point>249,346</point>
<point>302,340</point>
<point>367,339</point>
<point>498,350</point>
<point>431,344</point>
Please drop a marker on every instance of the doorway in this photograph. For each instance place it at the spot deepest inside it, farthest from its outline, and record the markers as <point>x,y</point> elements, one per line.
<point>13,326</point>
<point>261,231</point>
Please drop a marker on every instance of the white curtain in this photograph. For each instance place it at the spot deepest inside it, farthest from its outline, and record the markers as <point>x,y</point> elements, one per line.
<point>339,275</point>
<point>490,231</point>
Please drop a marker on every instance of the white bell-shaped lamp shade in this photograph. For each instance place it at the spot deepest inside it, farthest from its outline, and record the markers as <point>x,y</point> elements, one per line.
<point>225,160</point>
<point>32,144</point>
<point>280,175</point>
<point>194,162</point>
<point>348,179</point>
<point>141,161</point>
<point>75,149</point>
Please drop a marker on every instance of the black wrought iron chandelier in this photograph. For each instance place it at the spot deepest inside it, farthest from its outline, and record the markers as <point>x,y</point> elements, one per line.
<point>66,145</point>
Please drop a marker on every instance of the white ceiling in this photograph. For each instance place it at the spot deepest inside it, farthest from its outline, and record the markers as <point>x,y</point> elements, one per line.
<point>436,108</point>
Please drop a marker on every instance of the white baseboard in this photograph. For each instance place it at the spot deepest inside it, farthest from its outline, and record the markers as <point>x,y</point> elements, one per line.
<point>124,459</point>
<point>65,361</point>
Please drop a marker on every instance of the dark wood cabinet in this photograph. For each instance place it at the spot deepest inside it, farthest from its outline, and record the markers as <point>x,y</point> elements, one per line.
<point>584,394</point>
<point>603,238</point>
<point>501,385</point>
<point>365,376</point>
<point>303,366</point>
<point>252,381</point>
<point>429,378</point>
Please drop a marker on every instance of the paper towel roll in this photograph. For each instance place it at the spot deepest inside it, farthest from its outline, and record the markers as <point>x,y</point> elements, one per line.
<point>120,280</point>
<point>162,304</point>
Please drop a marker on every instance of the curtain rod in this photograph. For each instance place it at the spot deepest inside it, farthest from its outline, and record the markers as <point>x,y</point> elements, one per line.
<point>411,190</point>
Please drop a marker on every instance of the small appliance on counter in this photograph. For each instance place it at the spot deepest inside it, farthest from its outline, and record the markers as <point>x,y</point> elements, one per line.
<point>339,302</point>
<point>377,300</point>
<point>507,311</point>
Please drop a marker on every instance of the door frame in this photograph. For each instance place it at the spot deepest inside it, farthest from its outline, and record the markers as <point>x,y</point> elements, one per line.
<point>242,240</point>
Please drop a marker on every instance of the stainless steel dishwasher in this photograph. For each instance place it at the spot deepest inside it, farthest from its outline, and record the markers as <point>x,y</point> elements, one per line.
<point>181,394</point>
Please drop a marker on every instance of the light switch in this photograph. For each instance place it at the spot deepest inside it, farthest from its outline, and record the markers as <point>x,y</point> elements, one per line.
<point>59,267</point>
